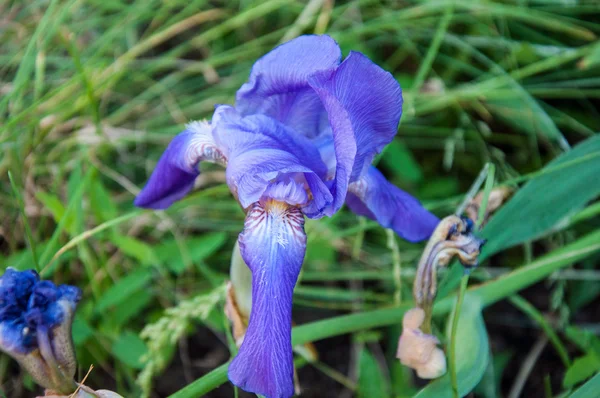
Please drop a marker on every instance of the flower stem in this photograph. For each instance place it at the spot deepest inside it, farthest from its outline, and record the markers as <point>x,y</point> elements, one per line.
<point>397,265</point>
<point>452,349</point>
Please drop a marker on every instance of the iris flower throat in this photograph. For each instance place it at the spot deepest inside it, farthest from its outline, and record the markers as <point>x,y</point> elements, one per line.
<point>298,142</point>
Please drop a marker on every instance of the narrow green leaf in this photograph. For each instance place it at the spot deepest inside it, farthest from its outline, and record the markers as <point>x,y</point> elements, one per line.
<point>101,202</point>
<point>592,59</point>
<point>136,303</point>
<point>371,379</point>
<point>120,292</point>
<point>523,113</point>
<point>170,254</point>
<point>581,369</point>
<point>584,339</point>
<point>589,389</point>
<point>565,185</point>
<point>30,241</point>
<point>399,159</point>
<point>135,248</point>
<point>129,348</point>
<point>82,330</point>
<point>55,206</point>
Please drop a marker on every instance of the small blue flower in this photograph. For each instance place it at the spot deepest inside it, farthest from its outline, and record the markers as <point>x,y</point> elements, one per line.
<point>35,327</point>
<point>298,142</point>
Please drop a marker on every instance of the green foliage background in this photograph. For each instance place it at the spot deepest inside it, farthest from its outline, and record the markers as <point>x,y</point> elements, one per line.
<point>92,91</point>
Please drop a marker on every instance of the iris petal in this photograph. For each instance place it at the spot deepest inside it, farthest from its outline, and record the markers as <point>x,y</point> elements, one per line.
<point>176,170</point>
<point>364,104</point>
<point>273,245</point>
<point>344,147</point>
<point>260,149</point>
<point>373,196</point>
<point>278,84</point>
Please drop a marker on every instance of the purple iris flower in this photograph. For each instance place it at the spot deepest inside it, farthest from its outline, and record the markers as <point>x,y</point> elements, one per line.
<point>298,142</point>
<point>35,327</point>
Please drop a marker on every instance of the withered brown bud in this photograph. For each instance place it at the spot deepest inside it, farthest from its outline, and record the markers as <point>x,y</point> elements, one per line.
<point>419,350</point>
<point>497,197</point>
<point>452,237</point>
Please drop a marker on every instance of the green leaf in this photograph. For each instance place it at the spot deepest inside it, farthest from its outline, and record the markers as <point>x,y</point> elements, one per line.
<point>582,368</point>
<point>401,161</point>
<point>169,252</point>
<point>120,291</point>
<point>472,353</point>
<point>55,206</point>
<point>101,202</point>
<point>371,379</point>
<point>589,389</point>
<point>584,339</point>
<point>135,248</point>
<point>564,186</point>
<point>81,330</point>
<point>130,349</point>
<point>136,303</point>
<point>319,253</point>
<point>522,112</point>
<point>592,59</point>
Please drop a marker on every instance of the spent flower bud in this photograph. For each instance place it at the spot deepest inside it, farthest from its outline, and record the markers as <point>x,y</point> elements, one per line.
<point>35,327</point>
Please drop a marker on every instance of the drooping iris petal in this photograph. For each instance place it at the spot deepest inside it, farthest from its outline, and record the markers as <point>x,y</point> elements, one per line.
<point>273,244</point>
<point>364,104</point>
<point>375,197</point>
<point>176,170</point>
<point>278,84</point>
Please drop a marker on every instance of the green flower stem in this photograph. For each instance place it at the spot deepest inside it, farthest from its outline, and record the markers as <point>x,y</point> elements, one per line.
<point>488,293</point>
<point>490,170</point>
<point>452,349</point>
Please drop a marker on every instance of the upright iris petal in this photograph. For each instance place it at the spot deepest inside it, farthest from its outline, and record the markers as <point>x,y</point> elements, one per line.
<point>273,244</point>
<point>279,83</point>
<point>298,142</point>
<point>364,104</point>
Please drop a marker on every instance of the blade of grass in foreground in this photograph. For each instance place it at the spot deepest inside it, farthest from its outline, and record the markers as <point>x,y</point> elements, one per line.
<point>589,389</point>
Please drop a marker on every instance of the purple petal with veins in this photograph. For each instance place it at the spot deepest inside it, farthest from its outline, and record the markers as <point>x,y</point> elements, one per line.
<point>273,245</point>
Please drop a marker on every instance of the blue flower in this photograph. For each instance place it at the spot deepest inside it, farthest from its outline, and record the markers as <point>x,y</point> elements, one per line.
<point>35,327</point>
<point>298,142</point>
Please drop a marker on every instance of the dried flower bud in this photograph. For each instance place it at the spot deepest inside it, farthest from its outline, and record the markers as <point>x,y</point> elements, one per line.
<point>452,237</point>
<point>83,392</point>
<point>35,327</point>
<point>419,350</point>
<point>495,200</point>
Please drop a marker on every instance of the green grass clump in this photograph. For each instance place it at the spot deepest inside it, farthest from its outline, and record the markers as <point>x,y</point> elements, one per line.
<point>92,91</point>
